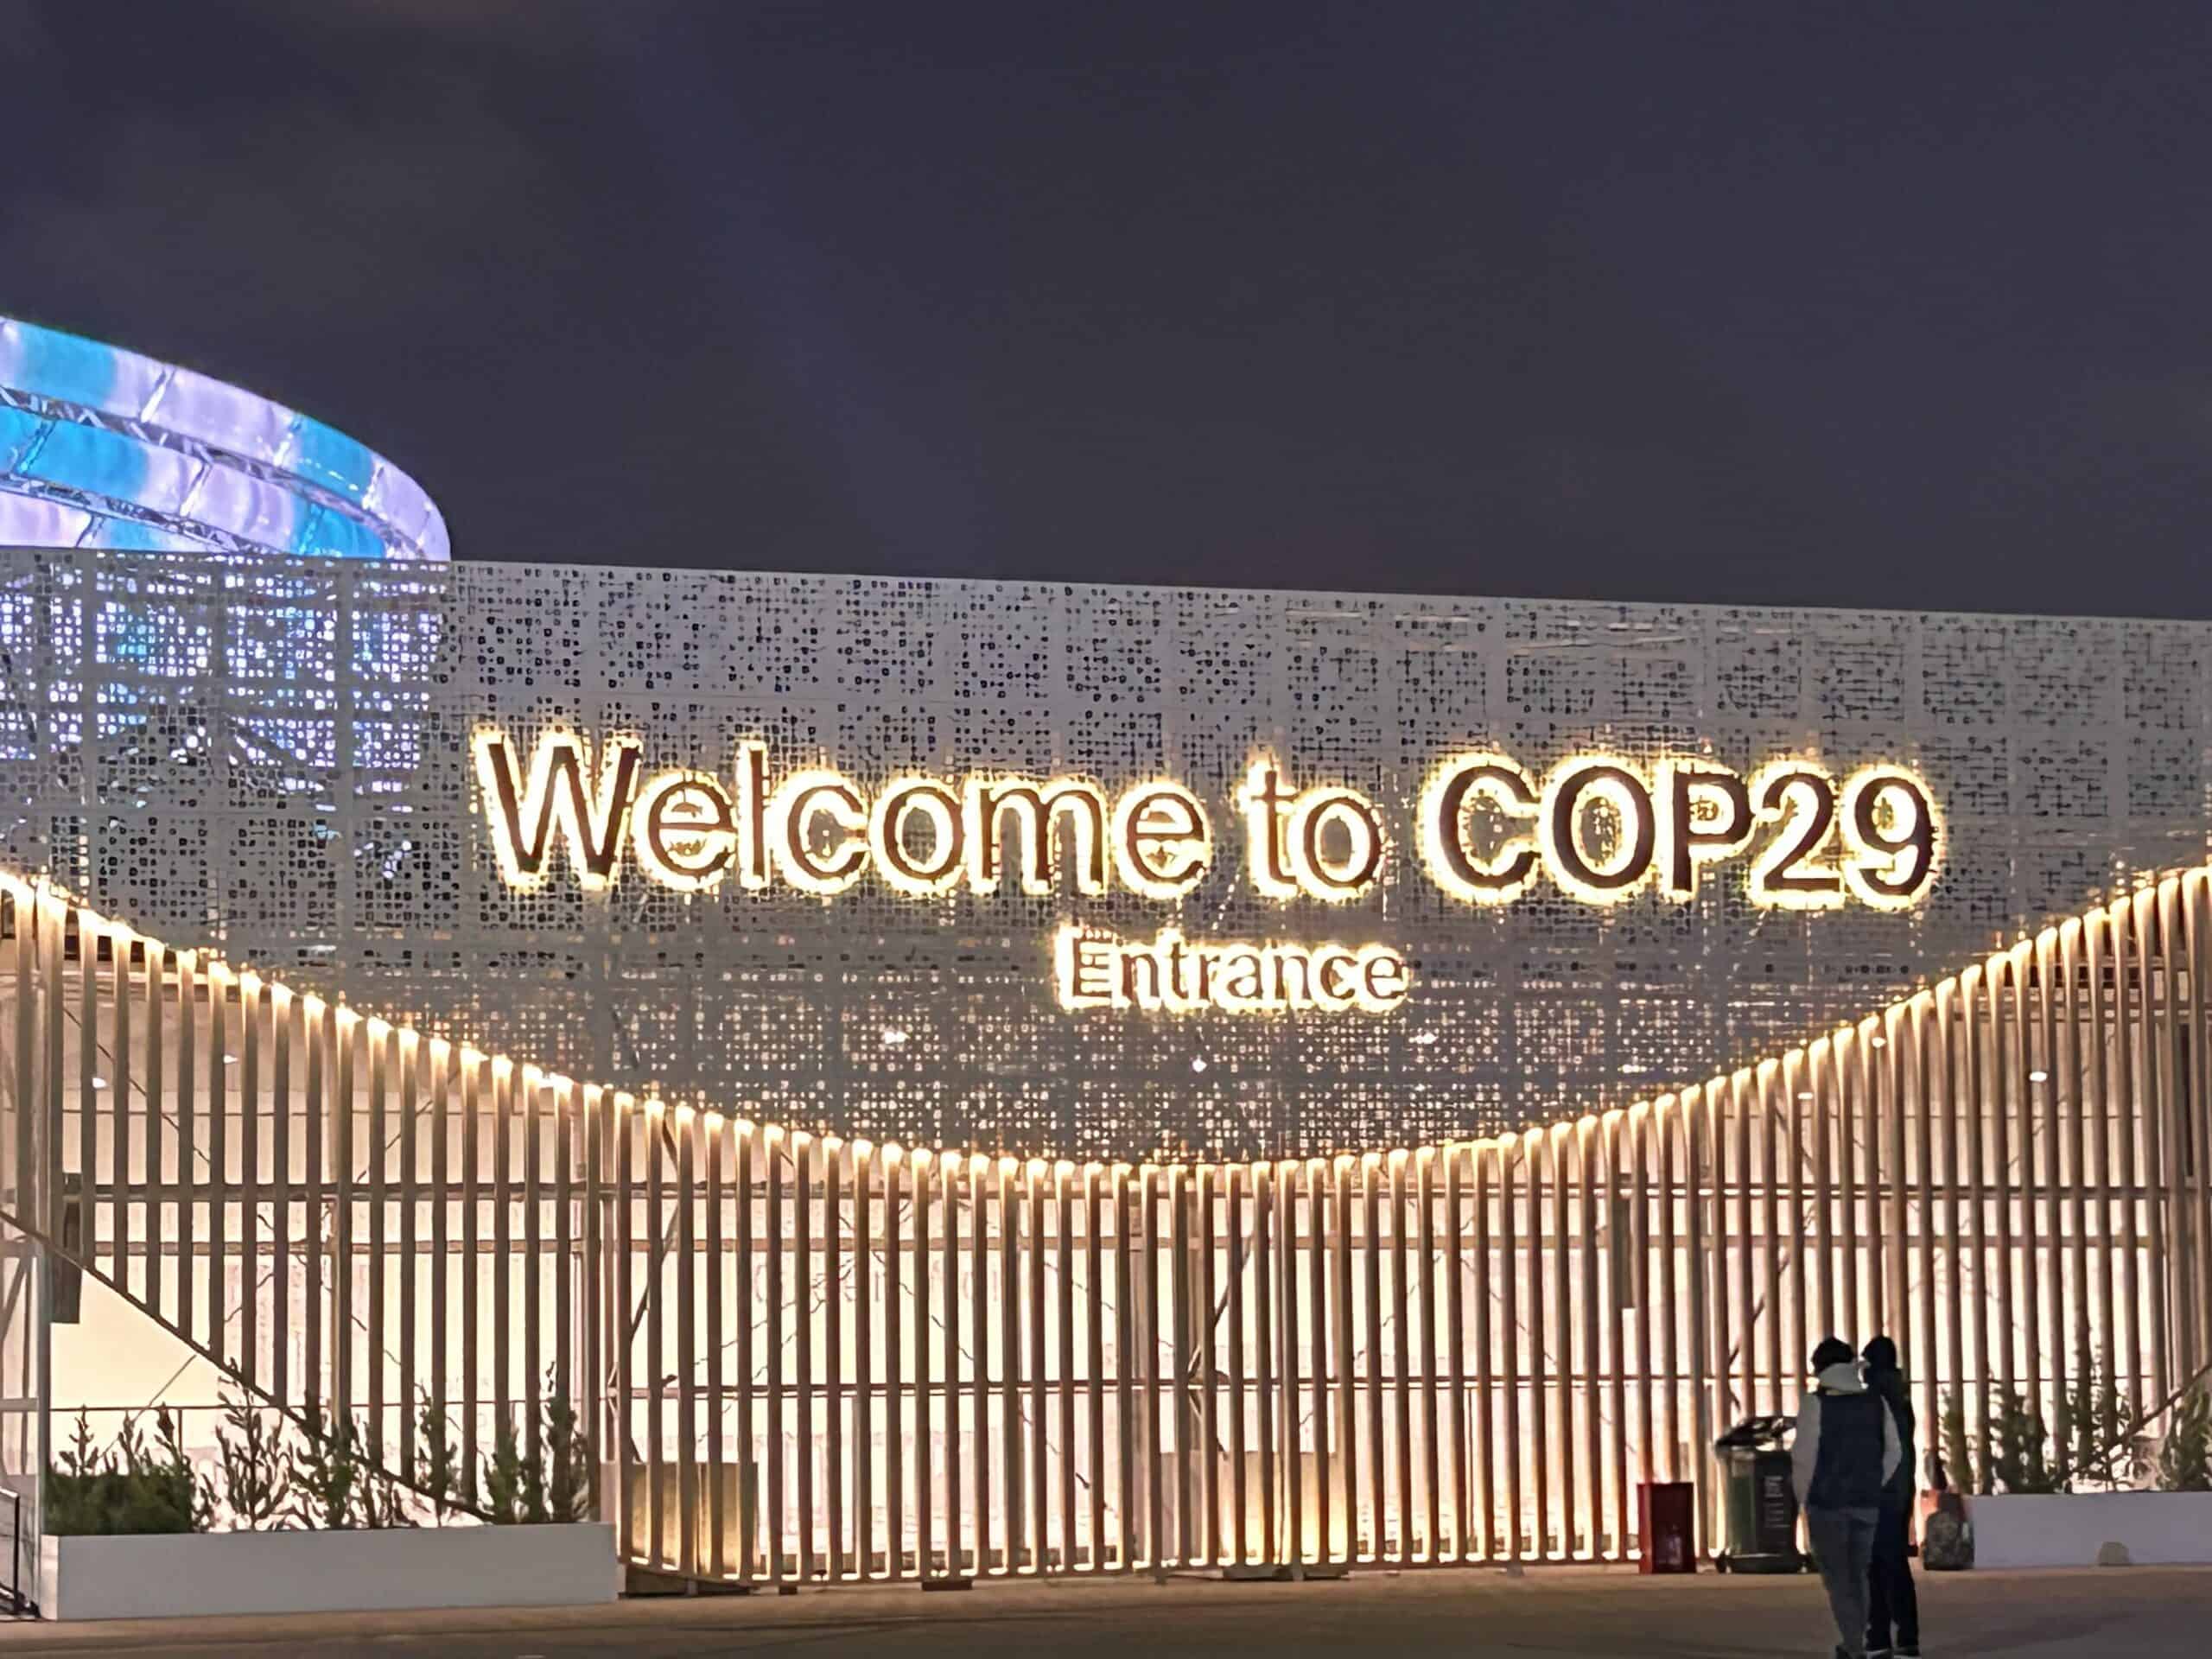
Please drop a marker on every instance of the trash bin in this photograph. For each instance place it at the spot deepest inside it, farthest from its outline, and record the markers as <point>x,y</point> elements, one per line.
<point>1669,1533</point>
<point>1758,1504</point>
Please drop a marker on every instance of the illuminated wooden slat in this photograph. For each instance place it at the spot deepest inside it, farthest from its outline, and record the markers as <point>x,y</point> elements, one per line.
<point>408,1053</point>
<point>531,1092</point>
<point>1541,1367</point>
<point>346,1033</point>
<point>1560,1145</point>
<point>1593,1467</point>
<point>87,1070</point>
<point>2157,1117</point>
<point>925,1481</point>
<point>2197,940</point>
<point>1699,1134</point>
<point>1372,1451</point>
<point>802,1158</point>
<point>1340,1239</point>
<point>251,1012</point>
<point>686,1252</point>
<point>1896,1236</point>
<point>743,1141</point>
<point>834,1156</point>
<point>770,1147</point>
<point>1319,1328</point>
<point>1064,1244</point>
<point>1923,1362</point>
<point>472,1069</point>
<point>156,1139</point>
<point>1206,1538</point>
<point>627,1475</point>
<point>2020,1099</point>
<point>1155,1551</point>
<point>1667,1128</point>
<point>284,1016</point>
<point>564,1104</point>
<point>1094,1367</point>
<point>1464,1545</point>
<point>28,1043</point>
<point>655,1313</point>
<point>1794,1114</point>
<point>1233,1359</point>
<point>439,1060</point>
<point>503,1252</point>
<point>955,1177</point>
<point>1182,1324</point>
<point>187,1115</point>
<point>2044,1101</point>
<point>716,1289</point>
<point>1973,1060</point>
<point>1287,1544</point>
<point>1622,1268</point>
<point>1645,1466</point>
<point>2127,962</point>
<point>1512,1157</point>
<point>381,1040</point>
<point>1266,1233</point>
<point>124,1179</point>
<point>218,981</point>
<point>1126,1362</point>
<point>1432,1547</point>
<point>1402,1505</point>
<point>319,1034</point>
<point>1010,1366</point>
<point>1768,1319</point>
<point>1998,1072</point>
<point>979,1348</point>
<point>599,1315</point>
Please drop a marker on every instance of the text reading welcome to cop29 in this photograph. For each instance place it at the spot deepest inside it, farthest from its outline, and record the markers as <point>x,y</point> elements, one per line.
<point>1598,827</point>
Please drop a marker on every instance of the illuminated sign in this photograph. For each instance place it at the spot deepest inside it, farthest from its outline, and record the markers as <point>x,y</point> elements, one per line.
<point>1599,828</point>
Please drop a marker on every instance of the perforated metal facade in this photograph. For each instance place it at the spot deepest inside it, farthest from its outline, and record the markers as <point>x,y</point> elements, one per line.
<point>272,754</point>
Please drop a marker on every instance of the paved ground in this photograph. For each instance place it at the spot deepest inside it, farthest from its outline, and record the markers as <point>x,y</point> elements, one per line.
<point>1561,1614</point>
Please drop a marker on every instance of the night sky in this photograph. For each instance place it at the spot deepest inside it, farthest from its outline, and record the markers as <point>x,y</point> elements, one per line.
<point>1858,305</point>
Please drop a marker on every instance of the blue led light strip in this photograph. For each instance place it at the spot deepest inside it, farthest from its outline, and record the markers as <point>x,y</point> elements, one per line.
<point>102,448</point>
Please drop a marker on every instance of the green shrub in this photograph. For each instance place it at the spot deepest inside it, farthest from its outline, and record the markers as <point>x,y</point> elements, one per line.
<point>554,1486</point>
<point>2185,1459</point>
<point>129,1488</point>
<point>2019,1463</point>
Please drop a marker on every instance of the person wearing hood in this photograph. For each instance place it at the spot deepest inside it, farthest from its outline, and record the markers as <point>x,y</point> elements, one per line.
<point>1846,1451</point>
<point>1892,1604</point>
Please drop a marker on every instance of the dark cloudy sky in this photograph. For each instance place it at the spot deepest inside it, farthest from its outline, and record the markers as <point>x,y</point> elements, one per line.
<point>1855,304</point>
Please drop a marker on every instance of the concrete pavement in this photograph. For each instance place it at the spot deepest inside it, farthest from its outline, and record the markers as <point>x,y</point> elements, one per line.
<point>1560,1613</point>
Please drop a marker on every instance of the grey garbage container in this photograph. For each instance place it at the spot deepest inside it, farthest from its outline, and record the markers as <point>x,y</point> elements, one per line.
<point>1759,1505</point>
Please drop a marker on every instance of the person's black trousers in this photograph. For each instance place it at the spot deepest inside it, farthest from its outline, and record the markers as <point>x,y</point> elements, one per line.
<point>1892,1604</point>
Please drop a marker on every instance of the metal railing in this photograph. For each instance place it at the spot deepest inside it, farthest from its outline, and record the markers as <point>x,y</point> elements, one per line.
<point>797,1358</point>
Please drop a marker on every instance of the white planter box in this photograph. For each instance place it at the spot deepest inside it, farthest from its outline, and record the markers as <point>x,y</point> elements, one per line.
<point>183,1574</point>
<point>2155,1528</point>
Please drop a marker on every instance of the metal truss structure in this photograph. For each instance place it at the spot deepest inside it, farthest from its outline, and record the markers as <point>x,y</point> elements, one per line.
<point>803,1358</point>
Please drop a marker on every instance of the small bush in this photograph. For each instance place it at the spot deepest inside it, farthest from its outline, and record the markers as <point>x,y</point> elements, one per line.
<point>2185,1459</point>
<point>129,1488</point>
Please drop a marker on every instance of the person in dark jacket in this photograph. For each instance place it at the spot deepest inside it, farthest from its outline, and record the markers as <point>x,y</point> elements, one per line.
<point>1892,1604</point>
<point>1845,1454</point>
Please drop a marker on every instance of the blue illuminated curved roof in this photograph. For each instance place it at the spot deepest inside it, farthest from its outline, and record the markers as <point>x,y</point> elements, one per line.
<point>102,448</point>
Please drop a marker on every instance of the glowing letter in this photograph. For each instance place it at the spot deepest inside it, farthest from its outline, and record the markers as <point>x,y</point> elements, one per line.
<point>686,834</point>
<point>802,798</point>
<point>1073,808</point>
<point>904,798</point>
<point>1161,840</point>
<point>1452,863</point>
<point>1612,782</point>
<point>1683,785</point>
<point>554,803</point>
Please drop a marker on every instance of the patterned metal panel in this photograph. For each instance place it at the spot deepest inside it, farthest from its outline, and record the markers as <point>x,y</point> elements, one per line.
<point>272,753</point>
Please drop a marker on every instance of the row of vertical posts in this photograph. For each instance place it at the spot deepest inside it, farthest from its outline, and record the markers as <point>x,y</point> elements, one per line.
<point>789,1356</point>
